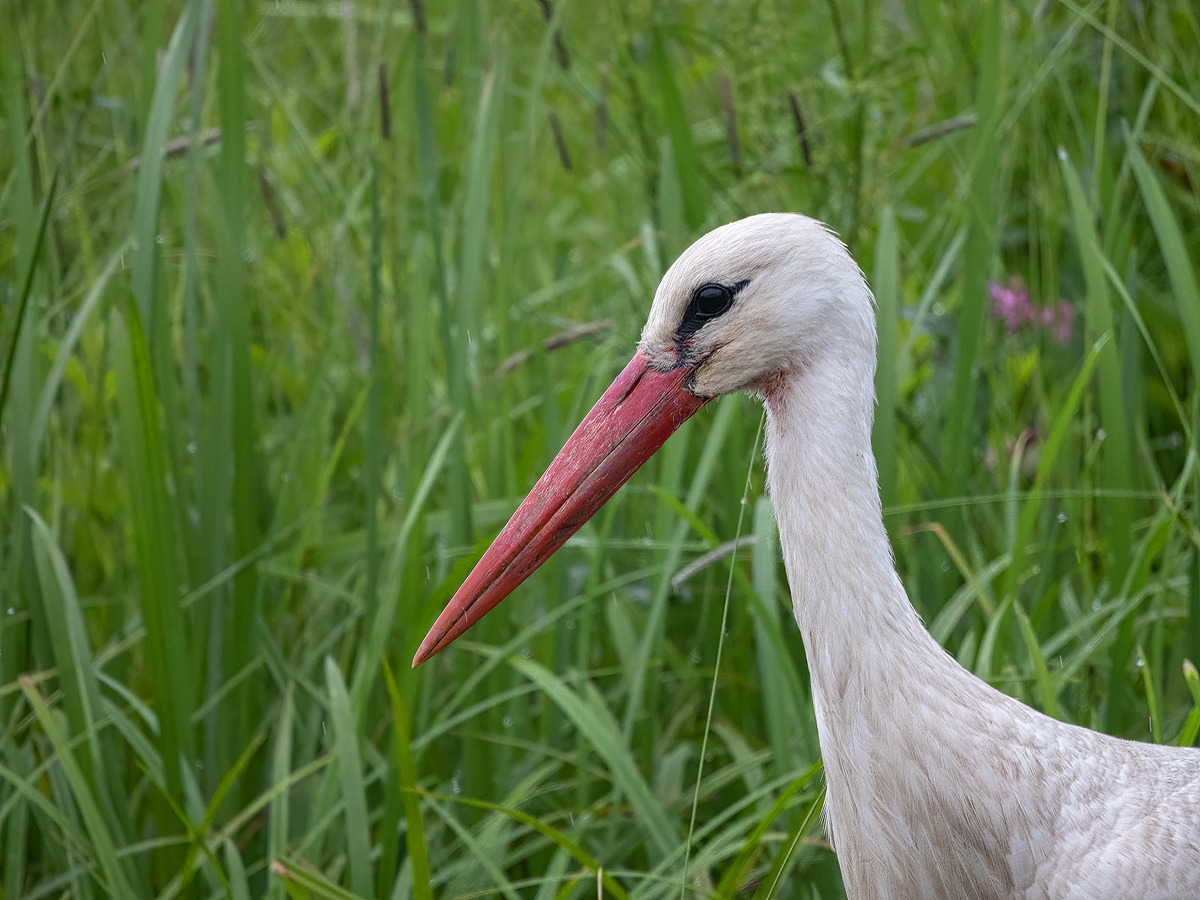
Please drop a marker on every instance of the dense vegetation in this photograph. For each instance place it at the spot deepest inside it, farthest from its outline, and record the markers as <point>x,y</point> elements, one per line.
<point>299,298</point>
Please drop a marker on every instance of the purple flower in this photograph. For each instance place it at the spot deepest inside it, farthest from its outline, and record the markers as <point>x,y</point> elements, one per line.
<point>1011,304</point>
<point>1064,321</point>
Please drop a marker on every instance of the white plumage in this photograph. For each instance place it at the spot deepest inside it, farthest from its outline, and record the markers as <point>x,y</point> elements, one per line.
<point>939,786</point>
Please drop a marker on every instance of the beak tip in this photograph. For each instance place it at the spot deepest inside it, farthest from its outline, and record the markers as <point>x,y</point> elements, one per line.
<point>423,652</point>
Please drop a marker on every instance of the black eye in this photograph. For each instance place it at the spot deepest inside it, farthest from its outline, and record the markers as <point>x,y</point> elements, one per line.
<point>710,300</point>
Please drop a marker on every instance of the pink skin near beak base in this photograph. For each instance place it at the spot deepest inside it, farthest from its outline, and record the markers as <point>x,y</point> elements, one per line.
<point>639,411</point>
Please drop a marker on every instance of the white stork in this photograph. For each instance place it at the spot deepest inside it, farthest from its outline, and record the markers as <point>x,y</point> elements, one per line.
<point>939,786</point>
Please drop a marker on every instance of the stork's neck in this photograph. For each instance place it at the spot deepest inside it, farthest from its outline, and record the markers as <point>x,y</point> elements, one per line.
<point>848,601</point>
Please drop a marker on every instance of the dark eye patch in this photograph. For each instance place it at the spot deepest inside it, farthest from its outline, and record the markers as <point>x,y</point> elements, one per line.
<point>708,301</point>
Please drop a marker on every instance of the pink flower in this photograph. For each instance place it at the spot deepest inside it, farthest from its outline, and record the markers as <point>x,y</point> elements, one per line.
<point>1059,320</point>
<point>1011,304</point>
<point>1064,321</point>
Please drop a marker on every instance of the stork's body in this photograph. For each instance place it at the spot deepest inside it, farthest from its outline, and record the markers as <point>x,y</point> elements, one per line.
<point>939,786</point>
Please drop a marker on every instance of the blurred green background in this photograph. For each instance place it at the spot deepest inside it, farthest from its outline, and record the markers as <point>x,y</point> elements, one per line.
<point>298,298</point>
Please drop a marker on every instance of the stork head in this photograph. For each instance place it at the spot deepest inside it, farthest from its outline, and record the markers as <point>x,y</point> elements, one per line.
<point>752,300</point>
<point>744,305</point>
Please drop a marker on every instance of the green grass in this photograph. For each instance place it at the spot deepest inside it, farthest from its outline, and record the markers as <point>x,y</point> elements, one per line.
<point>275,371</point>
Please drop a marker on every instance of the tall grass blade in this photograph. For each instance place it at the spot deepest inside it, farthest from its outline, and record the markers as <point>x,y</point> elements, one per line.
<point>157,549</point>
<point>302,883</point>
<point>781,684</point>
<point>679,131</point>
<point>235,427</point>
<point>21,581</point>
<point>1032,507</point>
<point>116,880</point>
<point>1185,289</point>
<point>1040,670</point>
<point>26,282</point>
<point>737,873</point>
<point>150,182</point>
<point>380,629</point>
<point>67,633</point>
<point>1191,725</point>
<point>279,813</point>
<point>1153,692</point>
<point>463,326</point>
<point>712,693</point>
<point>66,347</point>
<point>978,255</point>
<point>786,857</point>
<point>17,849</point>
<point>239,884</point>
<point>1117,454</point>
<point>414,835</point>
<point>476,846</point>
<point>350,771</point>
<point>372,439</point>
<point>1117,474</point>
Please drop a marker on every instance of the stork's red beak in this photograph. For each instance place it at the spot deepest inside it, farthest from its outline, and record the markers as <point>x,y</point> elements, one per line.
<point>641,409</point>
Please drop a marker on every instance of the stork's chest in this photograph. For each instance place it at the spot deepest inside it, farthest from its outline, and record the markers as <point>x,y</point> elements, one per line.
<point>983,797</point>
<point>931,798</point>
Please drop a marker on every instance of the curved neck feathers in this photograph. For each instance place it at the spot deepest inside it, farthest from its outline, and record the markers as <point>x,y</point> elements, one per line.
<point>863,639</point>
<point>846,595</point>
